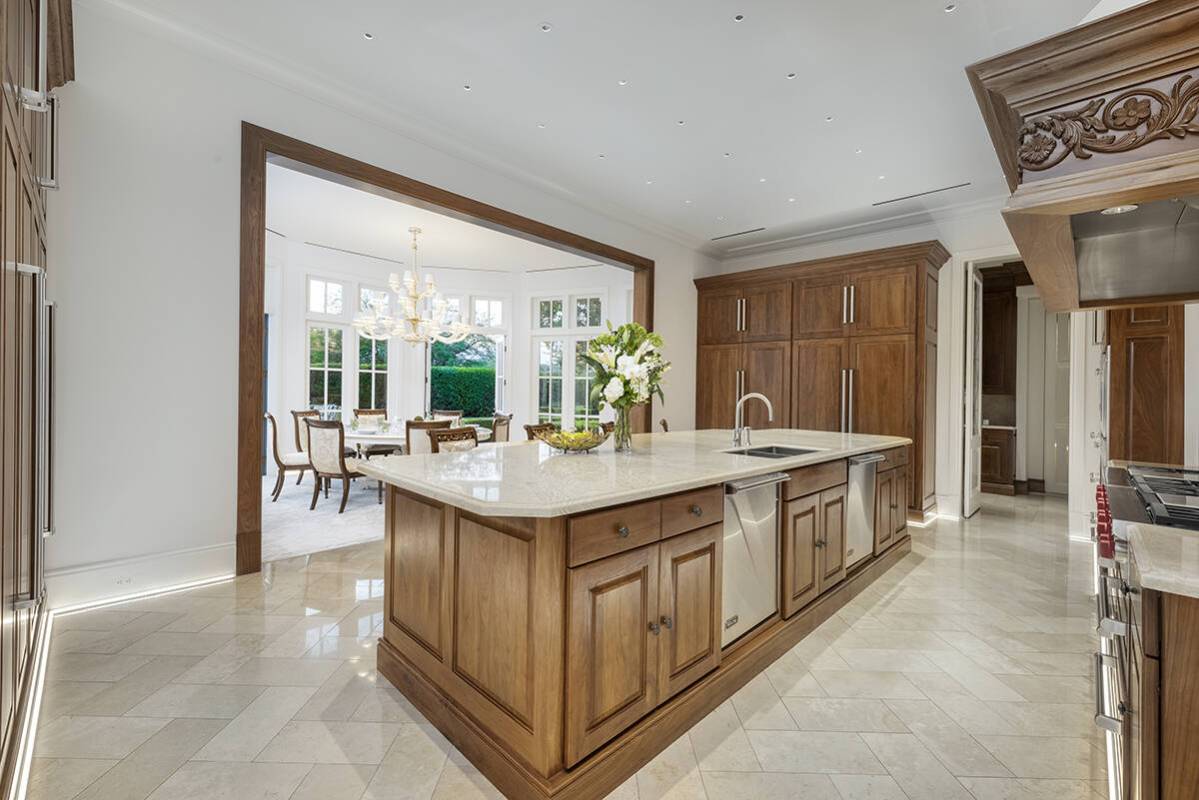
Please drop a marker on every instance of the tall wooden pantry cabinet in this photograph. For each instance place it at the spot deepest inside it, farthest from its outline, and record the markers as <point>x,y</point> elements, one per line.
<point>37,57</point>
<point>838,344</point>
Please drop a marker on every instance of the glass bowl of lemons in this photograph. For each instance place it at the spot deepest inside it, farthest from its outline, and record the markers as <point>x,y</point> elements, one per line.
<point>575,441</point>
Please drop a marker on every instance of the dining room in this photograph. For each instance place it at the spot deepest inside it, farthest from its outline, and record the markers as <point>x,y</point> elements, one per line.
<point>392,329</point>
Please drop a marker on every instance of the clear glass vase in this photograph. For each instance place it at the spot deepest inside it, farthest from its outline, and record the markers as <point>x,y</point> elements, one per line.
<point>622,435</point>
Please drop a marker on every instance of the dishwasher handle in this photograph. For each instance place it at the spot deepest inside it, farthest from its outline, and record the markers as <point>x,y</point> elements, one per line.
<point>869,458</point>
<point>757,482</point>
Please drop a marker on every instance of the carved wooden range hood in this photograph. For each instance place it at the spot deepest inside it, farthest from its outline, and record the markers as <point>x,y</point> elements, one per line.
<point>1097,131</point>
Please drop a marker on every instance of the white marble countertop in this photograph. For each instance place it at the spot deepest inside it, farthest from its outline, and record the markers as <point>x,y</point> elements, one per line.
<point>529,479</point>
<point>1168,558</point>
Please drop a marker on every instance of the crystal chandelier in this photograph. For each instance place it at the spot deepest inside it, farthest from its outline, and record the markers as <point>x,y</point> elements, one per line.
<point>423,314</point>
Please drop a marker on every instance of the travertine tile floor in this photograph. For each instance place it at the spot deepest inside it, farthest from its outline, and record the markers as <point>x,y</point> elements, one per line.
<point>962,673</point>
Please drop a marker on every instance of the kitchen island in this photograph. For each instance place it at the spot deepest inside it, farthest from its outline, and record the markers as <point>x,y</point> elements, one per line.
<point>559,617</point>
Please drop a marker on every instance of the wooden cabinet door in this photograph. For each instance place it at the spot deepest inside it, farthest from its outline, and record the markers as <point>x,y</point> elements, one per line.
<point>767,367</point>
<point>999,341</point>
<point>883,500</point>
<point>998,457</point>
<point>818,375</point>
<point>802,520</point>
<point>832,537</point>
<point>611,652</point>
<point>882,301</point>
<point>718,313</point>
<point>899,501</point>
<point>1146,384</point>
<point>717,372</point>
<point>689,606</point>
<point>767,311</point>
<point>820,307</point>
<point>883,399</point>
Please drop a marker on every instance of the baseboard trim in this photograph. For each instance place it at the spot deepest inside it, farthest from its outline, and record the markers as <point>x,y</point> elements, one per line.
<point>113,580</point>
<point>1036,485</point>
<point>1021,487</point>
<point>999,488</point>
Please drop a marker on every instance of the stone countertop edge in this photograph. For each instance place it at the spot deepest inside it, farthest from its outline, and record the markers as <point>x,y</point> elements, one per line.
<point>1167,558</point>
<point>461,479</point>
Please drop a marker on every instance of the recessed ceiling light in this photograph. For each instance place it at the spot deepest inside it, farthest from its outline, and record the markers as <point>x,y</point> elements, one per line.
<point>622,83</point>
<point>720,219</point>
<point>728,155</point>
<point>858,151</point>
<point>601,155</point>
<point>546,27</point>
<point>1124,209</point>
<point>648,183</point>
<point>952,7</point>
<point>541,125</point>
<point>829,118</point>
<point>790,199</point>
<point>681,122</point>
<point>882,177</point>
<point>368,36</point>
<point>687,202</point>
<point>791,76</point>
<point>761,180</point>
<point>466,87</point>
<point>739,18</point>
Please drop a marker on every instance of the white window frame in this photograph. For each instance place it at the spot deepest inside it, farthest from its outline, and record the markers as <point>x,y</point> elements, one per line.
<point>373,370</point>
<point>604,313</point>
<point>367,287</point>
<point>308,328</point>
<point>535,314</point>
<point>566,420</point>
<point>349,291</point>
<point>505,313</point>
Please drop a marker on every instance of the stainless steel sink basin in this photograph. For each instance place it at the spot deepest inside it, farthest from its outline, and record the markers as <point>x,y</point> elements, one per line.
<point>772,451</point>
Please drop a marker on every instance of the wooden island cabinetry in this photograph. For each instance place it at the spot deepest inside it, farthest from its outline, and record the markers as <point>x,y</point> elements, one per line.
<point>562,653</point>
<point>839,344</point>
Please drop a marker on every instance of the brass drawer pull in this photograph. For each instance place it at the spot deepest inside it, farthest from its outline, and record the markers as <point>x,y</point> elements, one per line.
<point>696,511</point>
<point>622,531</point>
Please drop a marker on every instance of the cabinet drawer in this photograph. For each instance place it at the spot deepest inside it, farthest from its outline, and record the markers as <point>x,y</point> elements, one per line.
<point>691,510</point>
<point>612,531</point>
<point>895,457</point>
<point>806,480</point>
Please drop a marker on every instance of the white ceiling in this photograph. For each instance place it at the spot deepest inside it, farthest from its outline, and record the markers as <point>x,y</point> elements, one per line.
<point>888,72</point>
<point>314,210</point>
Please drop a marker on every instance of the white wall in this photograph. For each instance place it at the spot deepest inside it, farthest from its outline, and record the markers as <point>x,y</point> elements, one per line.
<point>144,266</point>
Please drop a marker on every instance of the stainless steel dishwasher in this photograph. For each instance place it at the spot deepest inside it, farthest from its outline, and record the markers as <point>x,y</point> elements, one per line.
<point>859,512</point>
<point>750,576</point>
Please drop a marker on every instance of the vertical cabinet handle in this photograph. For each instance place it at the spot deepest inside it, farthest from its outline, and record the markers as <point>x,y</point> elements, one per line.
<point>35,99</point>
<point>51,181</point>
<point>849,403</point>
<point>737,327</point>
<point>844,397</point>
<point>853,303</point>
<point>844,305</point>
<point>744,314</point>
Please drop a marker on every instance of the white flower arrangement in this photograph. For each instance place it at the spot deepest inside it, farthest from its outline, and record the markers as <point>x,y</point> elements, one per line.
<point>629,365</point>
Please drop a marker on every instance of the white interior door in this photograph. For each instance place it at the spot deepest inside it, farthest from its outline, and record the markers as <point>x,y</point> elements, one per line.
<point>1057,403</point>
<point>973,433</point>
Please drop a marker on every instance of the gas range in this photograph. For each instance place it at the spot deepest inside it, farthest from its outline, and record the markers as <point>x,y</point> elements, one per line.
<point>1170,494</point>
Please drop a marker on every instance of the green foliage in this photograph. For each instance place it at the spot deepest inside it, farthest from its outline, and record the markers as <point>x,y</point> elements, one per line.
<point>474,351</point>
<point>471,389</point>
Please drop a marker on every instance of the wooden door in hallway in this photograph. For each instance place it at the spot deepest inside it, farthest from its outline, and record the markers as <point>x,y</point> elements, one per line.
<point>1146,390</point>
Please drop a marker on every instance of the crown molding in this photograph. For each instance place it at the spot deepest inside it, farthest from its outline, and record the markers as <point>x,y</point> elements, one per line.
<point>300,80</point>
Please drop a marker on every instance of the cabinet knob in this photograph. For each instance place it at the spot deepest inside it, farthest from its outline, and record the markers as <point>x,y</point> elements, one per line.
<point>667,623</point>
<point>622,531</point>
<point>654,628</point>
<point>696,511</point>
<point>820,542</point>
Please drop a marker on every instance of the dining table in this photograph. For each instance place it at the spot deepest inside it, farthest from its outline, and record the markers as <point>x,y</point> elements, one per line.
<point>362,439</point>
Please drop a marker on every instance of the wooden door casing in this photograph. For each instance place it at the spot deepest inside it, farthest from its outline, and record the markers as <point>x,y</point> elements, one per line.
<point>716,373</point>
<point>689,608</point>
<point>817,390</point>
<point>717,314</point>
<point>884,396</point>
<point>819,308</point>
<point>767,370</point>
<point>1146,384</point>
<point>883,301</point>
<point>611,652</point>
<point>884,531</point>
<point>767,310</point>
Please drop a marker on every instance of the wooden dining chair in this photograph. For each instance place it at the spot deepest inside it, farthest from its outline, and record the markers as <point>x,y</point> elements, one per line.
<point>450,440</point>
<point>302,433</point>
<point>327,455</point>
<point>373,417</point>
<point>455,417</point>
<point>284,462</point>
<point>607,427</point>
<point>665,425</point>
<point>531,431</point>
<point>501,426</point>
<point>418,444</point>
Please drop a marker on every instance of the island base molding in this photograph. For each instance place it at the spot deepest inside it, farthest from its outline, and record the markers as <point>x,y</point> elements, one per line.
<point>611,765</point>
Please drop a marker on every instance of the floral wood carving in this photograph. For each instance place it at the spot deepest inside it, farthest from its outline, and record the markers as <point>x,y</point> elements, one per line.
<point>1129,120</point>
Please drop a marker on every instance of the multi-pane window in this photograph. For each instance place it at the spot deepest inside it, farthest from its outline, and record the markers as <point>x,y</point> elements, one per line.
<point>373,298</point>
<point>324,367</point>
<point>586,409</point>
<point>550,313</point>
<point>325,297</point>
<point>589,312</point>
<point>372,373</point>
<point>453,309</point>
<point>488,313</point>
<point>550,354</point>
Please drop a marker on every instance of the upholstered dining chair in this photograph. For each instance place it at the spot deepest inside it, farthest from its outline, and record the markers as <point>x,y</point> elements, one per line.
<point>302,433</point>
<point>455,417</point>
<point>327,454</point>
<point>607,427</point>
<point>501,427</point>
<point>450,440</point>
<point>369,419</point>
<point>419,443</point>
<point>531,431</point>
<point>284,462</point>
